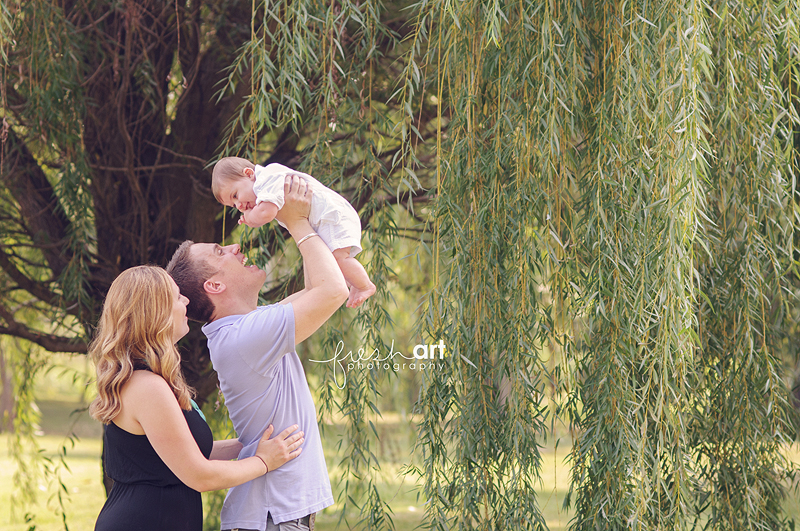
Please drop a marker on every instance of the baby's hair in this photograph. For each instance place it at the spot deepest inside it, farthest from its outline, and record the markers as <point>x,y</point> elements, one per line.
<point>227,170</point>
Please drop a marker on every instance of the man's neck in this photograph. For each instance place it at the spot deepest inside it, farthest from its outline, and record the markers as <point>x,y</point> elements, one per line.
<point>228,308</point>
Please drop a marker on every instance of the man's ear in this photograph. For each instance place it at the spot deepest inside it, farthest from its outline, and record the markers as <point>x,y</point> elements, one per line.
<point>213,287</point>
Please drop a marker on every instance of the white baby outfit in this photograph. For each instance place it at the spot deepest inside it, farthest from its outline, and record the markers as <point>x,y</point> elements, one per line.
<point>332,216</point>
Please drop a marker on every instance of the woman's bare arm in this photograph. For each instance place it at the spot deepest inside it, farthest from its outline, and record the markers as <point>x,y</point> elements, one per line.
<point>226,449</point>
<point>148,400</point>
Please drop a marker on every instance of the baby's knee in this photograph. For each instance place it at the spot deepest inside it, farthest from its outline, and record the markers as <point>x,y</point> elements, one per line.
<point>341,254</point>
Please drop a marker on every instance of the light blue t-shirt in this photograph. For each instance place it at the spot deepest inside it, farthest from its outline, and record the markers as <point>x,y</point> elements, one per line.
<point>264,383</point>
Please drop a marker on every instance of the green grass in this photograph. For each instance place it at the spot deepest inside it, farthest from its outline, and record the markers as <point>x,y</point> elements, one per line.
<point>83,481</point>
<point>86,496</point>
<point>86,492</point>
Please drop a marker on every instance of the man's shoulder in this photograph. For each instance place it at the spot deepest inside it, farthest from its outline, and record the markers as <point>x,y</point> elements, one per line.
<point>256,319</point>
<point>258,339</point>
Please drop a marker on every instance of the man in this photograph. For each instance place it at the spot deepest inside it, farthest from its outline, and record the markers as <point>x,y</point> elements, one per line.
<point>253,351</point>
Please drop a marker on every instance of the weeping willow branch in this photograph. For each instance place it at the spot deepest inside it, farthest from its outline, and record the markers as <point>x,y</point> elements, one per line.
<point>51,342</point>
<point>750,240</point>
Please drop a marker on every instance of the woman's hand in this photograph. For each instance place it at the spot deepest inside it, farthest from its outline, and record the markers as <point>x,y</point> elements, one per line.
<point>278,450</point>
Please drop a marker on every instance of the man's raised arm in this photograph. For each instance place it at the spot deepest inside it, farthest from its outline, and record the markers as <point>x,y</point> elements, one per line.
<point>325,289</point>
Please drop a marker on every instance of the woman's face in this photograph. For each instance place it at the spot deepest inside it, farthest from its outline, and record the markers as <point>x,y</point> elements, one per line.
<point>180,323</point>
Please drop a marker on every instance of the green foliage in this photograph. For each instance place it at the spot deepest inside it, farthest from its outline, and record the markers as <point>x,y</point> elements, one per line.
<point>502,232</point>
<point>643,201</point>
<point>604,193</point>
<point>216,415</point>
<point>741,421</point>
<point>616,187</point>
<point>30,464</point>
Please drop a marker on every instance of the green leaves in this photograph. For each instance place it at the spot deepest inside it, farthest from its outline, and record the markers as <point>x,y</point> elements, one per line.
<point>591,241</point>
<point>612,237</point>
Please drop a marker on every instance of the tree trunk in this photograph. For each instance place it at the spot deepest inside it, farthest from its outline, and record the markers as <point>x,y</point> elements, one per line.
<point>6,395</point>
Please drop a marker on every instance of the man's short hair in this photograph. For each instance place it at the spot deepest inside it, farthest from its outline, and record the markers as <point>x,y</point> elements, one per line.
<point>190,274</point>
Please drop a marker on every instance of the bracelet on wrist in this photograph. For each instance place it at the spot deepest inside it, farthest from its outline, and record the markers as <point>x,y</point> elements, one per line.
<point>262,460</point>
<point>306,237</point>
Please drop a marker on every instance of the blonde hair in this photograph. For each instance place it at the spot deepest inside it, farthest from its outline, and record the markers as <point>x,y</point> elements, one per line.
<point>228,170</point>
<point>135,331</point>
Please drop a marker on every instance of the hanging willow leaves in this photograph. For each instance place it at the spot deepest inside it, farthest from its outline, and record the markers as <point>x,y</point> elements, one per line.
<point>609,204</point>
<point>607,190</point>
<point>509,90</point>
<point>643,193</point>
<point>741,424</point>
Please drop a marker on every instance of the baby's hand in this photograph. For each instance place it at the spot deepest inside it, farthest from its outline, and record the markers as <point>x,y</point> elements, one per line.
<point>248,220</point>
<point>259,215</point>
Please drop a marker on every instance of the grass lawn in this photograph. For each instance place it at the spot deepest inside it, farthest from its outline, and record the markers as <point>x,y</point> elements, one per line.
<point>83,479</point>
<point>86,494</point>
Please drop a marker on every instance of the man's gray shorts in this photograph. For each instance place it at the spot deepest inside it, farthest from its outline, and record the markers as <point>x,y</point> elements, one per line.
<point>305,523</point>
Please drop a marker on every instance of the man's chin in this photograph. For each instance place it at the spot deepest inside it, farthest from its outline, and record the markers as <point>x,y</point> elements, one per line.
<point>256,271</point>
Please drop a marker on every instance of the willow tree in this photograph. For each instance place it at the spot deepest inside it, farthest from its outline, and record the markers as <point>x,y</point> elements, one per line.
<point>112,112</point>
<point>611,238</point>
<point>614,239</point>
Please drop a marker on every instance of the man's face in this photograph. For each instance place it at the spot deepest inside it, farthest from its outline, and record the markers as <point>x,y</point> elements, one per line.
<point>238,278</point>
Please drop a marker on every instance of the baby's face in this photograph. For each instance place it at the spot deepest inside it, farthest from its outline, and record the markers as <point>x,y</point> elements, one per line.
<point>239,194</point>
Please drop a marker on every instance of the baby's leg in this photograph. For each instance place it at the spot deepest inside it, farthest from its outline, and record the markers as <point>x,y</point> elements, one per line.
<point>361,287</point>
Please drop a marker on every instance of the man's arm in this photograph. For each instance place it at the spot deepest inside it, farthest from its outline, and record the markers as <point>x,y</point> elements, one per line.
<point>225,450</point>
<point>325,289</point>
<point>298,294</point>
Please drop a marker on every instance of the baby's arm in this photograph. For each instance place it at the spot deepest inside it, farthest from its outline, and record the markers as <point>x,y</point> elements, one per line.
<point>259,215</point>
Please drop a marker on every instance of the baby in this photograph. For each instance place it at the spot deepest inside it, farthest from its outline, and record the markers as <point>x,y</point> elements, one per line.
<point>257,192</point>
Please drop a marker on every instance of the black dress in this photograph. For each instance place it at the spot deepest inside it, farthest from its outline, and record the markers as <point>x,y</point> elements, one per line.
<point>146,495</point>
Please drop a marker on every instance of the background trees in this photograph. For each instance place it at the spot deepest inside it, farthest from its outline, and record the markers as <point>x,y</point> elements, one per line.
<point>112,112</point>
<point>612,240</point>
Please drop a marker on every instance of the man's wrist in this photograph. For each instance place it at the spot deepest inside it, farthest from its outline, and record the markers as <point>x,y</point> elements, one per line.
<point>306,237</point>
<point>299,229</point>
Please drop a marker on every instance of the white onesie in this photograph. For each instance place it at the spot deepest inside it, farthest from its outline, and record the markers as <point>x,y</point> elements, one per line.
<point>332,216</point>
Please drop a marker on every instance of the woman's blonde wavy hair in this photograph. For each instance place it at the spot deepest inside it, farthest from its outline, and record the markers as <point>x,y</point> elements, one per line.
<point>135,331</point>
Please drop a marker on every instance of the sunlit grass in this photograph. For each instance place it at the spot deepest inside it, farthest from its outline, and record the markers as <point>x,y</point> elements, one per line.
<point>86,492</point>
<point>83,481</point>
<point>86,496</point>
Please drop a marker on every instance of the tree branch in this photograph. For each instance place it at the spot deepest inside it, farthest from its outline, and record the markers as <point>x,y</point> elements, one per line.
<point>39,206</point>
<point>50,342</point>
<point>33,287</point>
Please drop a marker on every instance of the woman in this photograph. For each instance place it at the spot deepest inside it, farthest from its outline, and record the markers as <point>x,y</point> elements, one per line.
<point>157,445</point>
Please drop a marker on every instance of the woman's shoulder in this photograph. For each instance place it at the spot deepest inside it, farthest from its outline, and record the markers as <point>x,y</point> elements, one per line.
<point>142,393</point>
<point>145,375</point>
<point>144,384</point>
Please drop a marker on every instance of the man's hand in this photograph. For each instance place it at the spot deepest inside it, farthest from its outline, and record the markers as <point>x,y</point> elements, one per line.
<point>297,201</point>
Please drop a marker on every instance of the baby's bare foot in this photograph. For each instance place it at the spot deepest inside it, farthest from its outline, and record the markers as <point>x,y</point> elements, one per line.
<point>359,295</point>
